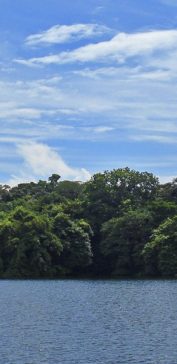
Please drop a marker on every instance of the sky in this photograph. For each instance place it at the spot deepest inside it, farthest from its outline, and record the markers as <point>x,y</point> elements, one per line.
<point>87,86</point>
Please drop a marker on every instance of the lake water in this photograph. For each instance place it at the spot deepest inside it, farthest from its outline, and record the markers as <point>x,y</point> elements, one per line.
<point>87,321</point>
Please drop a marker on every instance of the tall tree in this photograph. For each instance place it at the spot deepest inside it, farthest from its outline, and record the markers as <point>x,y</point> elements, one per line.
<point>28,245</point>
<point>122,242</point>
<point>160,253</point>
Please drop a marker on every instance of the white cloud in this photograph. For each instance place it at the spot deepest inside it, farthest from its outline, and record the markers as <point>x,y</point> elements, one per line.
<point>166,179</point>
<point>65,33</point>
<point>38,99</point>
<point>119,48</point>
<point>154,138</point>
<point>162,74</point>
<point>20,112</point>
<point>103,129</point>
<point>40,161</point>
<point>87,108</point>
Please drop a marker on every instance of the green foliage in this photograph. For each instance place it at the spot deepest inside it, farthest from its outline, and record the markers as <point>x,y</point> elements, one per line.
<point>54,179</point>
<point>161,210</point>
<point>160,253</point>
<point>107,192</point>
<point>28,244</point>
<point>122,241</point>
<point>57,228</point>
<point>69,190</point>
<point>168,191</point>
<point>75,238</point>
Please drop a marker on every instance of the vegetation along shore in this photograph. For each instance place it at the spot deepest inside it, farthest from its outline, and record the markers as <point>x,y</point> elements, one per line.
<point>121,223</point>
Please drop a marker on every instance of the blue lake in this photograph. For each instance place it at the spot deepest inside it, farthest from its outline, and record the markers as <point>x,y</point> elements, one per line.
<point>88,321</point>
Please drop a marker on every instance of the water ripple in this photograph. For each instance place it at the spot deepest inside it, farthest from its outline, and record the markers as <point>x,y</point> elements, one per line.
<point>85,321</point>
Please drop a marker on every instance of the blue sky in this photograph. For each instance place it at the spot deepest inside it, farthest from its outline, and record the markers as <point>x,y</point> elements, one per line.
<point>87,86</point>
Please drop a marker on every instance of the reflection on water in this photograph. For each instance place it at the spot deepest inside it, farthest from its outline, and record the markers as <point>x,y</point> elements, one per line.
<point>85,321</point>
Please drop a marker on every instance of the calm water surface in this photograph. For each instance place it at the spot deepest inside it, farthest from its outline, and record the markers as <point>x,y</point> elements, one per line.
<point>85,321</point>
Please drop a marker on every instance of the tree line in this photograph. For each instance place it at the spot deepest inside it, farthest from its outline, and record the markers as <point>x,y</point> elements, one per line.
<point>121,223</point>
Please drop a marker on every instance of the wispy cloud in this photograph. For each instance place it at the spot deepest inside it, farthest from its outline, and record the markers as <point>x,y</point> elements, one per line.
<point>103,129</point>
<point>40,161</point>
<point>101,96</point>
<point>65,33</point>
<point>118,49</point>
<point>161,73</point>
<point>98,105</point>
<point>98,10</point>
<point>155,138</point>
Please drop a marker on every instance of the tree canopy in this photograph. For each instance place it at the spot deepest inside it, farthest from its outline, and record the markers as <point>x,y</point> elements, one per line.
<point>120,223</point>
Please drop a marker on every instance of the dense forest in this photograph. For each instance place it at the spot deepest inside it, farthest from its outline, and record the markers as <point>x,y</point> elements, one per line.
<point>121,223</point>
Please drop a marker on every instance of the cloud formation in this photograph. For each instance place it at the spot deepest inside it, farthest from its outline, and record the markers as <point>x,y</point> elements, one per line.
<point>108,103</point>
<point>120,48</point>
<point>65,33</point>
<point>41,161</point>
<point>101,96</point>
